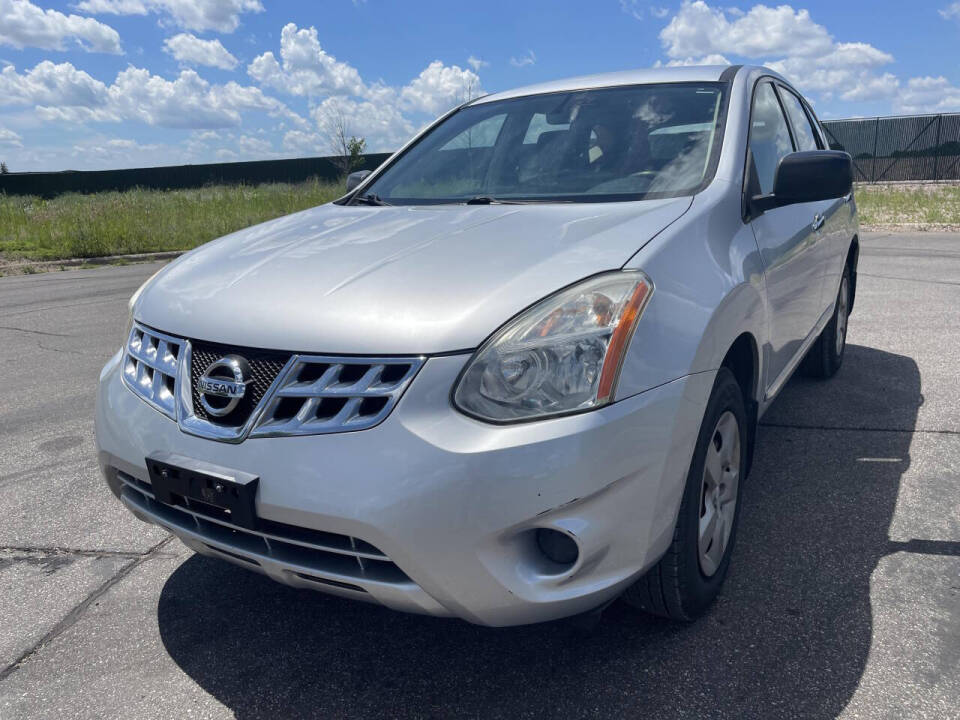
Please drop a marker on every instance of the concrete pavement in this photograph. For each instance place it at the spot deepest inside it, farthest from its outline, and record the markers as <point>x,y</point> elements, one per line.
<point>843,598</point>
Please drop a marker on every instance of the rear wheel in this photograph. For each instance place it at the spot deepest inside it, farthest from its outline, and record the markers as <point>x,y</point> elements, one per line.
<point>826,356</point>
<point>688,577</point>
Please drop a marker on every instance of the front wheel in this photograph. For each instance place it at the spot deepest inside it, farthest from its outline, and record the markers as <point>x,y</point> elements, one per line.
<point>688,577</point>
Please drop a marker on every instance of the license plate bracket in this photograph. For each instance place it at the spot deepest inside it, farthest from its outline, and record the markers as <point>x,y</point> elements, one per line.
<point>175,478</point>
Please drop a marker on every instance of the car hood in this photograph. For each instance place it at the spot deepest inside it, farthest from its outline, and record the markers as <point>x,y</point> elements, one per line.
<point>392,280</point>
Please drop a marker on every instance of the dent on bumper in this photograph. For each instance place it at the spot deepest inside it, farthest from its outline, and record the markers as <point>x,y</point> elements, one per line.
<point>451,501</point>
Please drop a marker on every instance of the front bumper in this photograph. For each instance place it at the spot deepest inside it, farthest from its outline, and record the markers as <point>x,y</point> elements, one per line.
<point>432,511</point>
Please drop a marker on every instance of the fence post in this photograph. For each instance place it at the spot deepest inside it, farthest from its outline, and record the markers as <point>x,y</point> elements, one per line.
<point>936,151</point>
<point>876,137</point>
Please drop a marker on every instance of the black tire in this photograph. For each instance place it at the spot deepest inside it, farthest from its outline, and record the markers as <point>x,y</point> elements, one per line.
<point>677,587</point>
<point>824,358</point>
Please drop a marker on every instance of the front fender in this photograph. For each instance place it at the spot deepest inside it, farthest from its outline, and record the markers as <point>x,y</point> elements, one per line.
<point>709,289</point>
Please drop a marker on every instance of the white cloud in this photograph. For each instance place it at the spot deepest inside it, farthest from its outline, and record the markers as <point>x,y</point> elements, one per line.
<point>219,15</point>
<point>439,87</point>
<point>304,143</point>
<point>951,12</point>
<point>786,40</point>
<point>714,59</point>
<point>632,8</point>
<point>697,29</point>
<point>928,95</point>
<point>848,71</point>
<point>636,9</point>
<point>529,59</point>
<point>23,24</point>
<point>190,49</point>
<point>382,113</point>
<point>51,84</point>
<point>60,92</point>
<point>9,138</point>
<point>477,63</point>
<point>386,116</point>
<point>872,87</point>
<point>383,126</point>
<point>307,68</point>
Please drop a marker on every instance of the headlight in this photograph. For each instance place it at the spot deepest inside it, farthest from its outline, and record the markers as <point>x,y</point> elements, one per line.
<point>561,355</point>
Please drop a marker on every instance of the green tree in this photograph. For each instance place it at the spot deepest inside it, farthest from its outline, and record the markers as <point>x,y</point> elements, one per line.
<point>347,149</point>
<point>3,168</point>
<point>355,147</point>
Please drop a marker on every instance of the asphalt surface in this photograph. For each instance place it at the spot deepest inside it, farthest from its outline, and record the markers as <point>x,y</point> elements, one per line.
<point>843,598</point>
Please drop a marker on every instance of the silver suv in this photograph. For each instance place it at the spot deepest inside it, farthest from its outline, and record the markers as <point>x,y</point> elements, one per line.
<point>514,373</point>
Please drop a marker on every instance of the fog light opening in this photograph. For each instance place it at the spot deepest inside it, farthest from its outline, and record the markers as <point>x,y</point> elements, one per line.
<point>558,547</point>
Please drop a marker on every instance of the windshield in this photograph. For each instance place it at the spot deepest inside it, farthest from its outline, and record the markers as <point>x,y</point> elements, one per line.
<point>623,143</point>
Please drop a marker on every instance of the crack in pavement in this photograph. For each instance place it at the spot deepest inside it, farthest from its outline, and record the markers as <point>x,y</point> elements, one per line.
<point>916,431</point>
<point>107,301</point>
<point>34,332</point>
<point>906,279</point>
<point>81,552</point>
<point>74,615</point>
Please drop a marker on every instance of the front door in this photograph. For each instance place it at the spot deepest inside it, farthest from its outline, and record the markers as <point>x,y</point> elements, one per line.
<point>787,237</point>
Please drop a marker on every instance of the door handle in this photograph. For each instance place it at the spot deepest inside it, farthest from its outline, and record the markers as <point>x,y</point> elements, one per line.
<point>818,221</point>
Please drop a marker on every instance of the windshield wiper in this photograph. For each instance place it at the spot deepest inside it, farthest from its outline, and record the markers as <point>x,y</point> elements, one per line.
<point>370,199</point>
<point>490,200</point>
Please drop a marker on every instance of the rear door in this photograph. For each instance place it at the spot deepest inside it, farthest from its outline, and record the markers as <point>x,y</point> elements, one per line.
<point>786,237</point>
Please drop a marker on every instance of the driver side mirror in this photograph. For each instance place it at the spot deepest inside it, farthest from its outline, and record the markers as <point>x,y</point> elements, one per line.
<point>355,178</point>
<point>807,176</point>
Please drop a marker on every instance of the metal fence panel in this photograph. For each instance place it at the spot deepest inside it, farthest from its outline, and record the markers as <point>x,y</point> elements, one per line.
<point>916,148</point>
<point>50,184</point>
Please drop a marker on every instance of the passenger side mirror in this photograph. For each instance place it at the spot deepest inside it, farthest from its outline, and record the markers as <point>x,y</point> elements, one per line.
<point>355,178</point>
<point>807,176</point>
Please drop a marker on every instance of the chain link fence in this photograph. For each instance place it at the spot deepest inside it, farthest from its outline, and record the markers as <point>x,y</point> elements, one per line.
<point>917,148</point>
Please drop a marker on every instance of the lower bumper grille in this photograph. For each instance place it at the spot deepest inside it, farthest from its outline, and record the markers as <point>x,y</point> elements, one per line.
<point>336,559</point>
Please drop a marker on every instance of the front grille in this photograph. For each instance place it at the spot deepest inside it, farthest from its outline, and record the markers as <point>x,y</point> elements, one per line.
<point>286,393</point>
<point>150,362</point>
<point>326,394</point>
<point>264,368</point>
<point>336,559</point>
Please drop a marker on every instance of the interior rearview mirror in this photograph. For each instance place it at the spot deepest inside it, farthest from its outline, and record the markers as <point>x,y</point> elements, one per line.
<point>808,176</point>
<point>355,178</point>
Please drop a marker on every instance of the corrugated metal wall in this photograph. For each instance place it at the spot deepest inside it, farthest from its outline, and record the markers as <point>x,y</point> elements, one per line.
<point>911,147</point>
<point>176,177</point>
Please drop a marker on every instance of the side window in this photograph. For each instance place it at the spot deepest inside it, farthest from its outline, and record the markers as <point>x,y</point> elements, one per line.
<point>769,136</point>
<point>540,125</point>
<point>802,130</point>
<point>482,135</point>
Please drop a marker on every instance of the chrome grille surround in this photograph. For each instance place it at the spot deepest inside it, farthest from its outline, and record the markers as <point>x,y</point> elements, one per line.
<point>151,362</point>
<point>332,400</point>
<point>311,395</point>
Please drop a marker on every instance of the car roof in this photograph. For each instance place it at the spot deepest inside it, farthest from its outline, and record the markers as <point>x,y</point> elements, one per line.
<point>685,73</point>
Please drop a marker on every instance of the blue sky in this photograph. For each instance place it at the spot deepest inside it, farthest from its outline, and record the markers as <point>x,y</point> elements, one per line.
<point>92,84</point>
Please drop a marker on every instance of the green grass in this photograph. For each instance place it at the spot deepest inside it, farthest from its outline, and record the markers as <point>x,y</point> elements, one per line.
<point>921,205</point>
<point>136,221</point>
